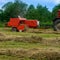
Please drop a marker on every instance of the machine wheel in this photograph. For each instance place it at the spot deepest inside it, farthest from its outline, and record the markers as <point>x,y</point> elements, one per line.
<point>57,25</point>
<point>14,29</point>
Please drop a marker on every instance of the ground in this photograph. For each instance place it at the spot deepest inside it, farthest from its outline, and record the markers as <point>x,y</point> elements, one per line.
<point>32,45</point>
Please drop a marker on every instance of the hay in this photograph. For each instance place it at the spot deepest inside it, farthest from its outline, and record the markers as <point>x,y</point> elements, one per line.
<point>35,53</point>
<point>32,39</point>
<point>52,41</point>
<point>43,31</point>
<point>2,34</point>
<point>46,56</point>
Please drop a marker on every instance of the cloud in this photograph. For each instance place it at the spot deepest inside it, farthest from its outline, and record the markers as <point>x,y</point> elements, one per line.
<point>56,1</point>
<point>48,1</point>
<point>52,1</point>
<point>2,2</point>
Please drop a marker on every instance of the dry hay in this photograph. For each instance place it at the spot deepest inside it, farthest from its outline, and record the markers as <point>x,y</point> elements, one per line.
<point>52,41</point>
<point>44,31</point>
<point>2,34</point>
<point>13,52</point>
<point>46,56</point>
<point>35,53</point>
<point>32,39</point>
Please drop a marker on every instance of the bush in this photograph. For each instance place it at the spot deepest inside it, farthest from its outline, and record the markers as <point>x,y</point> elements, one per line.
<point>46,25</point>
<point>2,24</point>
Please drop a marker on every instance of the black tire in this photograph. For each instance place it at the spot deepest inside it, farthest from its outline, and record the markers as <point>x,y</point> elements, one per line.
<point>57,25</point>
<point>14,29</point>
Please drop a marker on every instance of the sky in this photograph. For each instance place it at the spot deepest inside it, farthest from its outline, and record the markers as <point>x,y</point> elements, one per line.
<point>49,3</point>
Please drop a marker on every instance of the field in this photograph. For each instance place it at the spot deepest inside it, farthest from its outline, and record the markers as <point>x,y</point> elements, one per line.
<point>35,44</point>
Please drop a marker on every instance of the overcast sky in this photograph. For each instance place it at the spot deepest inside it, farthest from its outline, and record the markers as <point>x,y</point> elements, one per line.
<point>49,3</point>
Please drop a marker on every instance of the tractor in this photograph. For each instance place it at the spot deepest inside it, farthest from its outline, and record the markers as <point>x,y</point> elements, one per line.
<point>56,22</point>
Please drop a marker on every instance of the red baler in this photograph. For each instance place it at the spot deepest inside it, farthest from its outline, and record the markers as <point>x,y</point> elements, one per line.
<point>19,24</point>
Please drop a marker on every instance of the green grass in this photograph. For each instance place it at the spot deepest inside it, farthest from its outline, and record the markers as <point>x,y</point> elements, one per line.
<point>8,31</point>
<point>31,34</point>
<point>11,44</point>
<point>5,57</point>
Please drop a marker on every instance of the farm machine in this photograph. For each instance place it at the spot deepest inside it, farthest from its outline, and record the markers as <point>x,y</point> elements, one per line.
<point>21,24</point>
<point>56,22</point>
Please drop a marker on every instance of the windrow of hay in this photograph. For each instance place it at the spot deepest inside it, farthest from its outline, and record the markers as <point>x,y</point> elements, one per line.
<point>35,53</point>
<point>32,39</point>
<point>2,34</point>
<point>45,31</point>
<point>52,41</point>
<point>46,56</point>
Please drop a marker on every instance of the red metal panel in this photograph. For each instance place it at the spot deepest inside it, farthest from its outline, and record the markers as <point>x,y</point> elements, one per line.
<point>31,23</point>
<point>58,16</point>
<point>13,22</point>
<point>21,27</point>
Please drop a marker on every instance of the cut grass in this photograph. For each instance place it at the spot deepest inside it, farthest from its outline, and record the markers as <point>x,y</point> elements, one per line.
<point>9,32</point>
<point>32,46</point>
<point>5,57</point>
<point>30,34</point>
<point>11,44</point>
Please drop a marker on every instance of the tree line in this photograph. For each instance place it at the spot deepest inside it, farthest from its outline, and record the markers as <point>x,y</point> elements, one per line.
<point>19,8</point>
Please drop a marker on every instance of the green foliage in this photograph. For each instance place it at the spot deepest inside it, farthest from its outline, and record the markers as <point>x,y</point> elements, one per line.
<point>31,12</point>
<point>2,24</point>
<point>46,25</point>
<point>43,14</point>
<point>14,9</point>
<point>40,13</point>
<point>1,15</point>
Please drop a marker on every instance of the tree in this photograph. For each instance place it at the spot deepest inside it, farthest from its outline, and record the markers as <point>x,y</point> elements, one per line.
<point>31,12</point>
<point>7,10</point>
<point>54,11</point>
<point>13,9</point>
<point>39,12</point>
<point>1,15</point>
<point>43,15</point>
